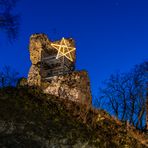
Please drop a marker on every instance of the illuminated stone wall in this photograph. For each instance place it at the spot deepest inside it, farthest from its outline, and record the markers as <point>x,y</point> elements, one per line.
<point>37,42</point>
<point>73,85</point>
<point>40,52</point>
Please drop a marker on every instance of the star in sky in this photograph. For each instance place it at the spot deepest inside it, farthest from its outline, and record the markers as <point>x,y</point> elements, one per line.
<point>64,49</point>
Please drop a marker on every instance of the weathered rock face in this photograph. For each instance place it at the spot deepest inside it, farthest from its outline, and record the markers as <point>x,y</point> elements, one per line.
<point>43,59</point>
<point>47,71</point>
<point>74,86</point>
<point>35,49</point>
<point>34,76</point>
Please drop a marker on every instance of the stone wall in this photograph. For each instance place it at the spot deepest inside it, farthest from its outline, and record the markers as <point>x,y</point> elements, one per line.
<point>35,49</point>
<point>40,49</point>
<point>74,86</point>
<point>34,76</point>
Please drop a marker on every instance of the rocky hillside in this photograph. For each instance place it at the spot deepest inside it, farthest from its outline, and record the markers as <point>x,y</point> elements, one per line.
<point>30,119</point>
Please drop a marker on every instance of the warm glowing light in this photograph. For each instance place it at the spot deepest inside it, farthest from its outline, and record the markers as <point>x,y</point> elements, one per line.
<point>64,49</point>
<point>100,118</point>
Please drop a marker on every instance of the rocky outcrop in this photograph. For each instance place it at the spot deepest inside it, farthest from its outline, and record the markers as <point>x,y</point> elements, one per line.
<point>66,83</point>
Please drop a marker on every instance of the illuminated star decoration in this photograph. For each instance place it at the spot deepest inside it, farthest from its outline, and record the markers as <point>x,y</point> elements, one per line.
<point>64,50</point>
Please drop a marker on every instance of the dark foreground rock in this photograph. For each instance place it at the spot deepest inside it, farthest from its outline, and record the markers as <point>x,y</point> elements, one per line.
<point>30,119</point>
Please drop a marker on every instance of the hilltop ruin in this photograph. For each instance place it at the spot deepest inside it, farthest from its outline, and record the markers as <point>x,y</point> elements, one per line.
<point>53,69</point>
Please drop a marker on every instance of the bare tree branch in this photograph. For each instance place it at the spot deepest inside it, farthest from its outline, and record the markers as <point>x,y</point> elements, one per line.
<point>126,95</point>
<point>9,22</point>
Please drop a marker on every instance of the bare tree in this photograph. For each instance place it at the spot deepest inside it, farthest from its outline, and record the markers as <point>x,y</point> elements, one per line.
<point>125,95</point>
<point>9,22</point>
<point>8,77</point>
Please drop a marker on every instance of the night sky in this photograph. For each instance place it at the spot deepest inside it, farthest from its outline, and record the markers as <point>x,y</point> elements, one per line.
<point>110,35</point>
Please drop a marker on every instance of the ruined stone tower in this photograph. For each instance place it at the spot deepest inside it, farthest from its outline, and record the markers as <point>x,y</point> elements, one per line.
<point>53,69</point>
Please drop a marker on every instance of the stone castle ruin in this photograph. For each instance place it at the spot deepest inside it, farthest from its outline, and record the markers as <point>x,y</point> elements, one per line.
<point>53,69</point>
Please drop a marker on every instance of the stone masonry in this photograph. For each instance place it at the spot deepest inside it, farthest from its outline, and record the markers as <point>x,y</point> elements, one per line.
<point>74,86</point>
<point>53,76</point>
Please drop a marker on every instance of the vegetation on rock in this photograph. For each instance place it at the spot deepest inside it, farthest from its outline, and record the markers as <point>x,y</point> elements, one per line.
<point>29,118</point>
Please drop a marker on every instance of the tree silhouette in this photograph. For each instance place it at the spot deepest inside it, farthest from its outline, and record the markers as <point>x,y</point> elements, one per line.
<point>125,95</point>
<point>9,22</point>
<point>8,77</point>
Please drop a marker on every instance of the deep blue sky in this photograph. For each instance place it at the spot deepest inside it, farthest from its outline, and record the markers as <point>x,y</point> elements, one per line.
<point>111,35</point>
